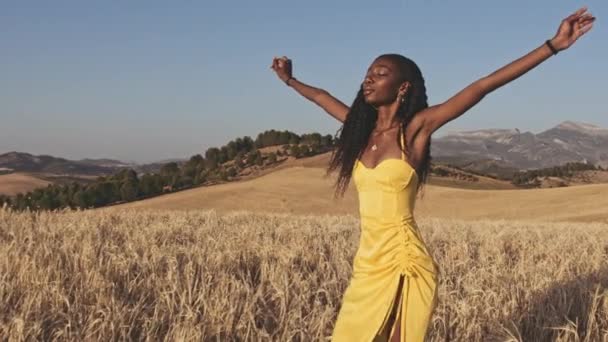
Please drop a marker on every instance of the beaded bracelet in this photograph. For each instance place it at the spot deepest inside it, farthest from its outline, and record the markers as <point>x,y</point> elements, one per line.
<point>287,80</point>
<point>553,49</point>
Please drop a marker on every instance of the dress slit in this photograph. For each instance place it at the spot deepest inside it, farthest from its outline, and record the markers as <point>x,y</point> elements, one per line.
<point>389,324</point>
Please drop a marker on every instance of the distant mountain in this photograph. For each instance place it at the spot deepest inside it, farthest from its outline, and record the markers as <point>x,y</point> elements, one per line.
<point>511,149</point>
<point>111,163</point>
<point>498,152</point>
<point>25,162</point>
<point>171,160</point>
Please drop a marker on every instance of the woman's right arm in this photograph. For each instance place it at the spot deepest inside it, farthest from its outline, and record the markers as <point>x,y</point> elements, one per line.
<point>333,106</point>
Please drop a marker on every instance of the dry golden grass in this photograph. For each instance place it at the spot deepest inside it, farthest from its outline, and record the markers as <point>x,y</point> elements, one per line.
<point>202,275</point>
<point>304,190</point>
<point>14,183</point>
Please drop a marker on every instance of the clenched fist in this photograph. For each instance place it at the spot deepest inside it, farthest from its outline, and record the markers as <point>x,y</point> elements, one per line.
<point>282,66</point>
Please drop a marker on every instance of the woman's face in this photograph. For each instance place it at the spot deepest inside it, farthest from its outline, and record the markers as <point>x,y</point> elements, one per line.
<point>381,83</point>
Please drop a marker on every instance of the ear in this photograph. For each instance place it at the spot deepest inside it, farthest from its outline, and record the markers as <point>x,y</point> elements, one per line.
<point>404,87</point>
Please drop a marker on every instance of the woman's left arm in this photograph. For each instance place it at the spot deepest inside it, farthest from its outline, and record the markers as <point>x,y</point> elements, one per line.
<point>570,29</point>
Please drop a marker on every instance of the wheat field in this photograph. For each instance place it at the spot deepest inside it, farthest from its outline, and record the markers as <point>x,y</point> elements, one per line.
<point>246,276</point>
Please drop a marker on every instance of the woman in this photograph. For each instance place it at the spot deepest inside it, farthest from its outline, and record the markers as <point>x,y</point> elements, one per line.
<point>385,145</point>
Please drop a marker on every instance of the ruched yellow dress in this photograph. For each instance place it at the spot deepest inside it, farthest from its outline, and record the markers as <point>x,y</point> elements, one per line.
<point>390,247</point>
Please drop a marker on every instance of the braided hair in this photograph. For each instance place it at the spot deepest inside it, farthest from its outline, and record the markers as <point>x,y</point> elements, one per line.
<point>353,135</point>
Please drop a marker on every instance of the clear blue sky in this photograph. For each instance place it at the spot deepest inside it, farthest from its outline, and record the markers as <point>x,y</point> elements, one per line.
<point>144,81</point>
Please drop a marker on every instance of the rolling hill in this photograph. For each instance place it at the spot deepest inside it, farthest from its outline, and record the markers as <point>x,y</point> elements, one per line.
<point>305,190</point>
<point>14,183</point>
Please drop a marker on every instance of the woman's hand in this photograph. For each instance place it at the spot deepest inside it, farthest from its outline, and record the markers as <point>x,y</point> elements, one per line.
<point>282,66</point>
<point>572,27</point>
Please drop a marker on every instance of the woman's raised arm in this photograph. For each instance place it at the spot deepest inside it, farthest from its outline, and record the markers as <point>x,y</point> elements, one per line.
<point>570,29</point>
<point>333,106</point>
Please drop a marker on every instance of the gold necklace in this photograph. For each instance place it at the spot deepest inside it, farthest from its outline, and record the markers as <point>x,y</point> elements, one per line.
<point>374,146</point>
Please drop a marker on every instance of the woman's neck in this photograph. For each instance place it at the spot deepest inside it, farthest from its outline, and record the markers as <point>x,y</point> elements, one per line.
<point>387,116</point>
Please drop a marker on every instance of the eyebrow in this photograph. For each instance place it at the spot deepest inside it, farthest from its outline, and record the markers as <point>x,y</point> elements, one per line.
<point>381,65</point>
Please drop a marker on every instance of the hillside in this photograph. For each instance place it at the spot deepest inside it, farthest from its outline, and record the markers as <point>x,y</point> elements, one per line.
<point>14,183</point>
<point>496,153</point>
<point>304,190</point>
<point>490,159</point>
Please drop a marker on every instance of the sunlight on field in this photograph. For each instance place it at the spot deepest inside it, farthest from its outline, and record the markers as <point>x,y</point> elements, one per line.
<point>189,275</point>
<point>304,190</point>
<point>15,183</point>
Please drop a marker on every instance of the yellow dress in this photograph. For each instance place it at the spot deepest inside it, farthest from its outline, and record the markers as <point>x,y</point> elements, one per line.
<point>390,246</point>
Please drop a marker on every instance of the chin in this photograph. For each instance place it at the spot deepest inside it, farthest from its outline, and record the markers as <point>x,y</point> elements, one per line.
<point>370,101</point>
<point>374,103</point>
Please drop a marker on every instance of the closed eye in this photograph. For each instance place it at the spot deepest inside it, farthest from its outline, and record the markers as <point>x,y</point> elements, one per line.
<point>379,73</point>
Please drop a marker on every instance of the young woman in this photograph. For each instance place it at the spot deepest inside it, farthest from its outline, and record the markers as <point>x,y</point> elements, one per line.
<point>385,145</point>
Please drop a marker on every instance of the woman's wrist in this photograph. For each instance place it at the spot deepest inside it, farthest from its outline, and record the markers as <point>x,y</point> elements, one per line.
<point>557,44</point>
<point>289,79</point>
<point>551,47</point>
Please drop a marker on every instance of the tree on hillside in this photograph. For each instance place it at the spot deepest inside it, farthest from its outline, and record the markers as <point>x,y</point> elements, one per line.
<point>174,181</point>
<point>223,175</point>
<point>211,164</point>
<point>169,172</point>
<point>294,151</point>
<point>310,138</point>
<point>238,159</point>
<point>128,190</point>
<point>81,200</point>
<point>294,140</point>
<point>169,169</point>
<point>150,184</point>
<point>327,140</point>
<point>73,187</point>
<point>185,182</point>
<point>189,170</point>
<point>223,155</point>
<point>231,150</point>
<point>64,197</point>
<point>246,144</point>
<point>201,177</point>
<point>196,159</point>
<point>304,151</point>
<point>273,137</point>
<point>272,157</point>
<point>44,202</point>
<point>212,155</point>
<point>231,172</point>
<point>125,174</point>
<point>254,158</point>
<point>107,192</point>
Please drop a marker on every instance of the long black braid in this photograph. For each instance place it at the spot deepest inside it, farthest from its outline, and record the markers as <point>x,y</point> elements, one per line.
<point>361,121</point>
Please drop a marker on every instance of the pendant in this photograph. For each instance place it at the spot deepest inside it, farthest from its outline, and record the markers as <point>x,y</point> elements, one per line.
<point>374,147</point>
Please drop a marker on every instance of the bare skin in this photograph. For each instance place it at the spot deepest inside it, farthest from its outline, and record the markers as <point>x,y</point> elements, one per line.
<point>386,89</point>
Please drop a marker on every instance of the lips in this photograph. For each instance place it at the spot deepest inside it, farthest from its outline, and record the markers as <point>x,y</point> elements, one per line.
<point>367,91</point>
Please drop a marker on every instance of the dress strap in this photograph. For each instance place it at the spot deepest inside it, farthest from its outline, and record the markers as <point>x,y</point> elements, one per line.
<point>402,145</point>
